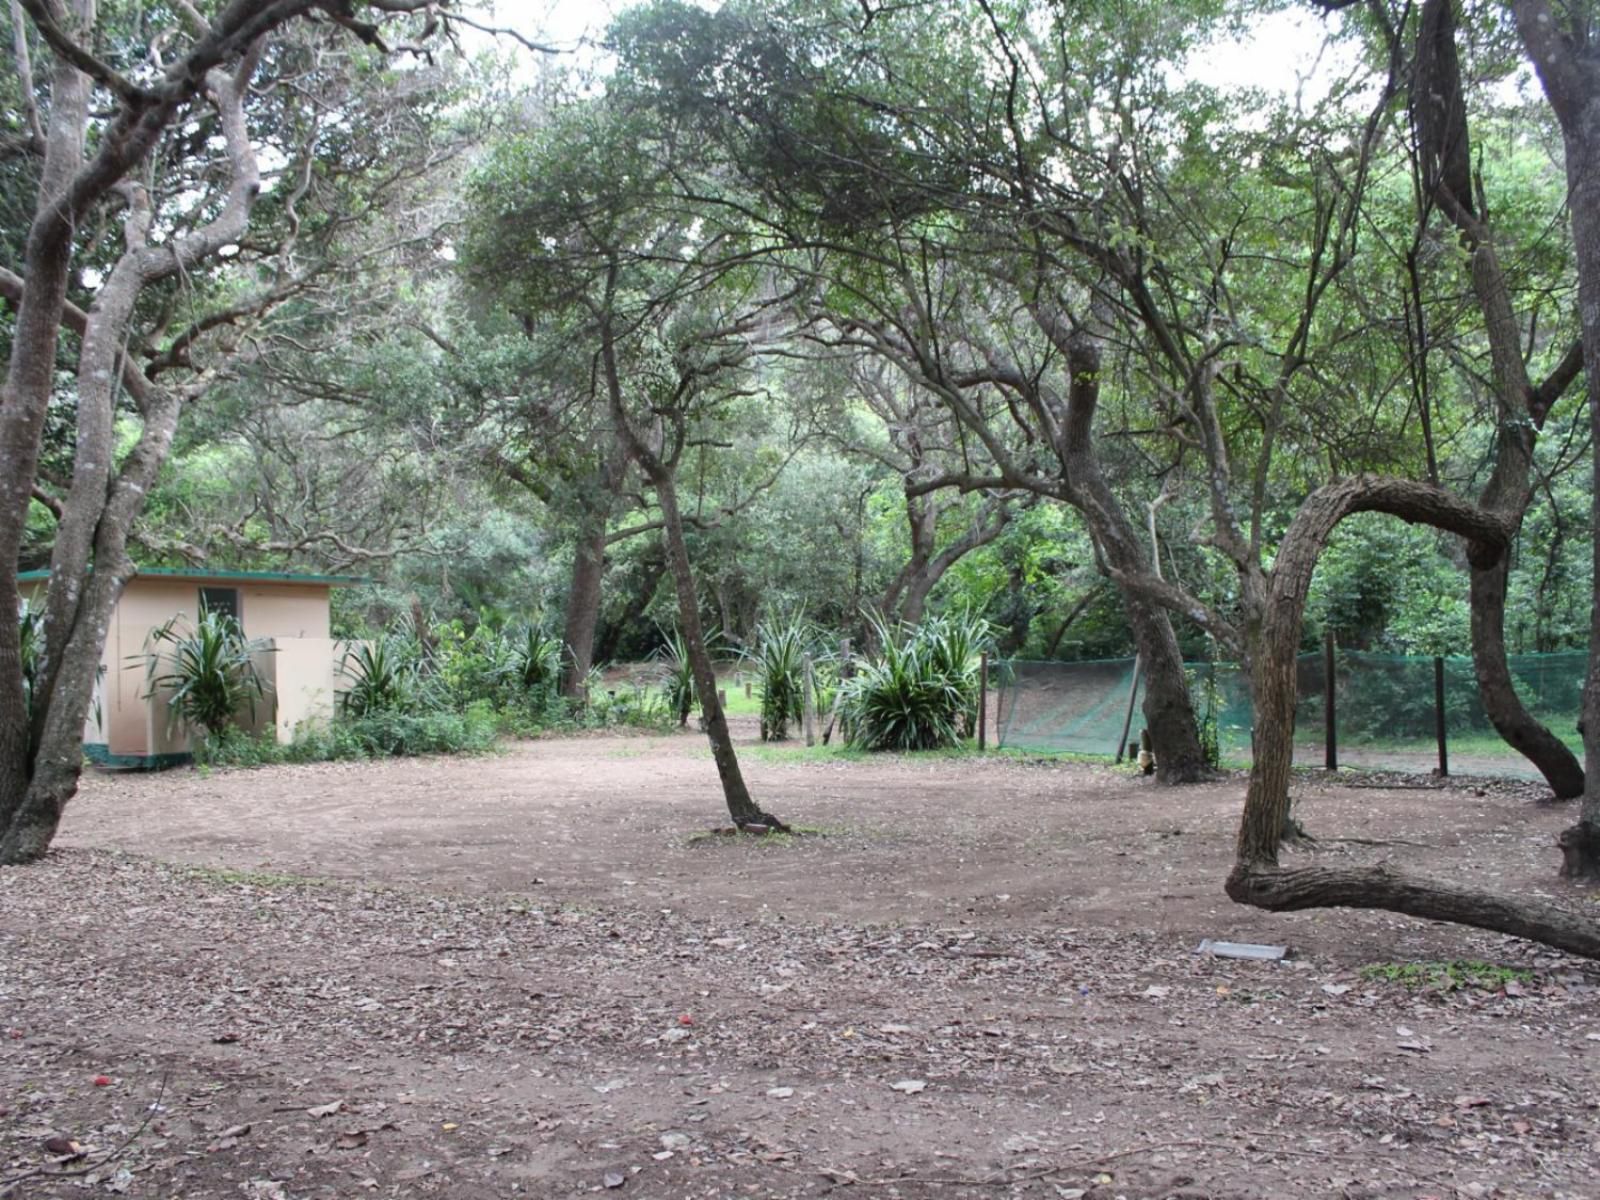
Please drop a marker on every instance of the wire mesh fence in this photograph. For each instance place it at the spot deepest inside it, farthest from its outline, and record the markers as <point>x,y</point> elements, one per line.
<point>1385,709</point>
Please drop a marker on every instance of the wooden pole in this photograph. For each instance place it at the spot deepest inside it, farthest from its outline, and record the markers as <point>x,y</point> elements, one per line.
<point>983,701</point>
<point>809,700</point>
<point>838,693</point>
<point>1330,720</point>
<point>1127,721</point>
<point>1438,715</point>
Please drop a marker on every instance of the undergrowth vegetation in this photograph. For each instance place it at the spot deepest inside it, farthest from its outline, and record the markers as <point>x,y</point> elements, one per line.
<point>920,692</point>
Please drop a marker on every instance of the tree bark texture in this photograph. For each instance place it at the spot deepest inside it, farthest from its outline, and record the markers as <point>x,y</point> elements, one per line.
<point>583,607</point>
<point>1284,890</point>
<point>1168,707</point>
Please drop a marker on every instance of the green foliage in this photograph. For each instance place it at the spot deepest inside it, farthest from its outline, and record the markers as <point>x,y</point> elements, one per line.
<point>779,664</point>
<point>1447,976</point>
<point>534,661</point>
<point>30,633</point>
<point>383,674</point>
<point>1206,695</point>
<point>381,733</point>
<point>921,692</point>
<point>207,666</point>
<point>1385,585</point>
<point>677,675</point>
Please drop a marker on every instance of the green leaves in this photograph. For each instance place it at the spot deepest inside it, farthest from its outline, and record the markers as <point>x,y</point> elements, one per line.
<point>921,692</point>
<point>207,668</point>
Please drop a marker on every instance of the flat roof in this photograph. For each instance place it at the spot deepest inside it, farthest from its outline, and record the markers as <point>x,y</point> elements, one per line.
<point>200,575</point>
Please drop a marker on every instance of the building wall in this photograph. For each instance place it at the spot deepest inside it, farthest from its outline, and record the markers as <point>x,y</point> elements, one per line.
<point>133,725</point>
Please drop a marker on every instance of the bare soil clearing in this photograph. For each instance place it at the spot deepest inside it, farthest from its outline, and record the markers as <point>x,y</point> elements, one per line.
<point>525,975</point>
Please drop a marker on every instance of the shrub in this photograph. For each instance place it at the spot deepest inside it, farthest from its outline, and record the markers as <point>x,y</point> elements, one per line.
<point>379,734</point>
<point>779,663</point>
<point>676,674</point>
<point>383,676</point>
<point>533,663</point>
<point>209,668</point>
<point>921,692</point>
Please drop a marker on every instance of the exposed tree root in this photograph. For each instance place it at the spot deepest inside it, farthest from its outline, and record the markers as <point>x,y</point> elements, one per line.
<point>1280,889</point>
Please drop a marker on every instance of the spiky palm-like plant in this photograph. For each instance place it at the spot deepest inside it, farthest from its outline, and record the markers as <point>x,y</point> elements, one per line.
<point>534,659</point>
<point>779,662</point>
<point>383,676</point>
<point>676,674</point>
<point>921,691</point>
<point>208,669</point>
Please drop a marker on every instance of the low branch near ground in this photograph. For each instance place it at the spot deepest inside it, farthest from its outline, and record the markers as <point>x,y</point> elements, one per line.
<point>1282,889</point>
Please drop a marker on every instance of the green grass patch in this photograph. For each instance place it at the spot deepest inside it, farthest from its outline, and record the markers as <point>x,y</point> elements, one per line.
<point>1447,976</point>
<point>236,877</point>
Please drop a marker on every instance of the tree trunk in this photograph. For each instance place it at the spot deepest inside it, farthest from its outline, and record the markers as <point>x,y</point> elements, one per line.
<point>102,503</point>
<point>1561,46</point>
<point>1521,729</point>
<point>1168,707</point>
<point>1276,640</point>
<point>1445,153</point>
<point>1278,889</point>
<point>1581,843</point>
<point>746,813</point>
<point>1257,879</point>
<point>583,607</point>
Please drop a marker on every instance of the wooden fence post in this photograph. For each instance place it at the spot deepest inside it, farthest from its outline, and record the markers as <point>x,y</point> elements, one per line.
<point>983,701</point>
<point>808,700</point>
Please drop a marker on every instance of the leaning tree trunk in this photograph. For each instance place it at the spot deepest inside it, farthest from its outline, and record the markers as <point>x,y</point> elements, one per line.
<point>746,813</point>
<point>1445,152</point>
<point>1168,707</point>
<point>1561,46</point>
<point>105,498</point>
<point>1257,878</point>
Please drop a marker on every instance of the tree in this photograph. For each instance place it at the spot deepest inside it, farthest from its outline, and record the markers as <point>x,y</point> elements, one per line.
<point>1444,151</point>
<point>928,222</point>
<point>916,441</point>
<point>184,203</point>
<point>1564,47</point>
<point>577,226</point>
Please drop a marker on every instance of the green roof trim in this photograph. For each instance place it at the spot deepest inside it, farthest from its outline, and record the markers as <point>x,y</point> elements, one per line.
<point>197,574</point>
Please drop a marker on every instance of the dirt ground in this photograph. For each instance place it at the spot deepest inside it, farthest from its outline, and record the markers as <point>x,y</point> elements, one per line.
<point>526,975</point>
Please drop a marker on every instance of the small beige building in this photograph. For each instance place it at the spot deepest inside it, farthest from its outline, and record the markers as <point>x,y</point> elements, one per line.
<point>287,613</point>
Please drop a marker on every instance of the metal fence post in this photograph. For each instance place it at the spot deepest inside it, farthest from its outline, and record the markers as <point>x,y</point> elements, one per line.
<point>1438,715</point>
<point>1330,720</point>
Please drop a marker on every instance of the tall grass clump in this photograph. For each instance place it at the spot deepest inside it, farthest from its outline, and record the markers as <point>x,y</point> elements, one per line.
<point>921,690</point>
<point>779,664</point>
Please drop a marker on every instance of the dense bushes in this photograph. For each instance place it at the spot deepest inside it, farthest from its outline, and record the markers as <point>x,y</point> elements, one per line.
<point>921,691</point>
